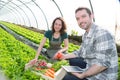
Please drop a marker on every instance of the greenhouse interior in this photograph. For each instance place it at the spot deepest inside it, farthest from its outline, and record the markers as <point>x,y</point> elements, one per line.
<point>24,27</point>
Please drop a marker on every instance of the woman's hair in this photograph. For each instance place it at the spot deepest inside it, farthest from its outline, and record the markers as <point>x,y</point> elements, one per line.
<point>63,29</point>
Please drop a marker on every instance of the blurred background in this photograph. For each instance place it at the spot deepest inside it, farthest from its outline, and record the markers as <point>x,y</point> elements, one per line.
<point>40,13</point>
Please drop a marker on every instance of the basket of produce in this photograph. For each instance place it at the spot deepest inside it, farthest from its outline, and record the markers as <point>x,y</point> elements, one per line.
<point>48,71</point>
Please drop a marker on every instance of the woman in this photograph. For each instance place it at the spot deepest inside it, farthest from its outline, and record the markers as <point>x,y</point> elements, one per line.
<point>56,37</point>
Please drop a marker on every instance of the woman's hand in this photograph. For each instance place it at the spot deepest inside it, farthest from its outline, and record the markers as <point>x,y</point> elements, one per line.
<point>59,56</point>
<point>32,62</point>
<point>62,56</point>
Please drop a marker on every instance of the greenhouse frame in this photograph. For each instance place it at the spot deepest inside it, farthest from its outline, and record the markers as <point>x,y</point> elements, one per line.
<point>22,27</point>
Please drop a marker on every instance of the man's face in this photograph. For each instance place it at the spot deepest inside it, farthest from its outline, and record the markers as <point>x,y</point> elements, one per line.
<point>84,19</point>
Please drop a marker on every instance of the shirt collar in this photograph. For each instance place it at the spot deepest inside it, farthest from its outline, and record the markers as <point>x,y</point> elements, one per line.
<point>91,31</point>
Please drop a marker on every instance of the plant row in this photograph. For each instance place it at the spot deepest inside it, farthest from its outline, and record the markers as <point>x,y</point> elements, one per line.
<point>13,56</point>
<point>34,36</point>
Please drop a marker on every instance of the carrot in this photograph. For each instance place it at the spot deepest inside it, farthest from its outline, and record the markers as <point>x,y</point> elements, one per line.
<point>37,68</point>
<point>46,74</point>
<point>51,71</point>
<point>49,74</point>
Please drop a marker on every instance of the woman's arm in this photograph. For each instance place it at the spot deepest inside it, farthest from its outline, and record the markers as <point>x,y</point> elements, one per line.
<point>40,47</point>
<point>65,46</point>
<point>38,51</point>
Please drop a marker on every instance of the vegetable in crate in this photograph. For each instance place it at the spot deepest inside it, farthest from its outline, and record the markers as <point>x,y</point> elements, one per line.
<point>41,64</point>
<point>50,72</point>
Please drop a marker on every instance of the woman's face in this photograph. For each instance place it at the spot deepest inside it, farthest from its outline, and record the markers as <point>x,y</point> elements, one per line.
<point>57,25</point>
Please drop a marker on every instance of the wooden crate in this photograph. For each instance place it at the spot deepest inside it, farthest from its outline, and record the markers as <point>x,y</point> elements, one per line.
<point>58,75</point>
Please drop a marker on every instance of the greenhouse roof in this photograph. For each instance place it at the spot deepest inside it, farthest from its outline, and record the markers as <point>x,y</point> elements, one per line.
<point>40,13</point>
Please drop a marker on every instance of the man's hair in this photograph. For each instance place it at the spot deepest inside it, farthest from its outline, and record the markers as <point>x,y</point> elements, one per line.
<point>83,8</point>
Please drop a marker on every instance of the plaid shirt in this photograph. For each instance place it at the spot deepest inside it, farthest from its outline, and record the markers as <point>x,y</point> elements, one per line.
<point>98,47</point>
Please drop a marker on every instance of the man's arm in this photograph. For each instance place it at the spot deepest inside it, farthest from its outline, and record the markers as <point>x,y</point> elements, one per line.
<point>93,70</point>
<point>70,55</point>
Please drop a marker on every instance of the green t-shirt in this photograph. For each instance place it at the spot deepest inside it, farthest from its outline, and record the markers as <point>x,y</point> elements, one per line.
<point>48,34</point>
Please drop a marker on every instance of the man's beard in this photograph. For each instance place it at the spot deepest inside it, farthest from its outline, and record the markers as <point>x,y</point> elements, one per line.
<point>84,26</point>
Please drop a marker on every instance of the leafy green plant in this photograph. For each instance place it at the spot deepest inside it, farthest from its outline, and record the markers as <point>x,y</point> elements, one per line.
<point>74,33</point>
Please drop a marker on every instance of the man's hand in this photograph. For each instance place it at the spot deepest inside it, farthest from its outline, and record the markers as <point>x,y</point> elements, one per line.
<point>93,70</point>
<point>79,75</point>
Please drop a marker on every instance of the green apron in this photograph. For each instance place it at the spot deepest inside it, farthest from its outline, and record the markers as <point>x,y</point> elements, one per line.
<point>54,47</point>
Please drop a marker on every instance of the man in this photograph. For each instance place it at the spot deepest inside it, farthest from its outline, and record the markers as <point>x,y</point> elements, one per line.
<point>97,55</point>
